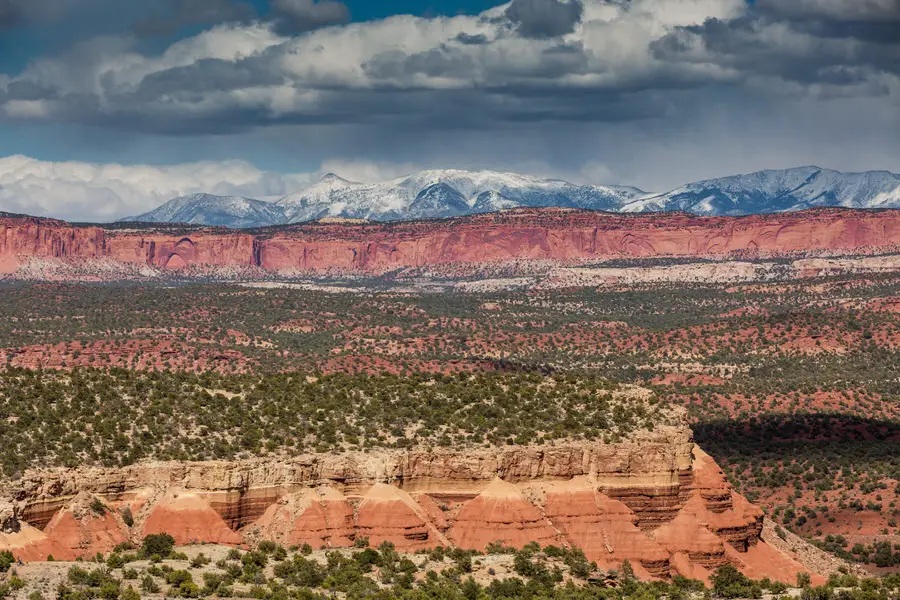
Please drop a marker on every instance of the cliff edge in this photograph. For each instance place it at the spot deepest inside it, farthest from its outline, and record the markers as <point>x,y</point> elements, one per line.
<point>656,500</point>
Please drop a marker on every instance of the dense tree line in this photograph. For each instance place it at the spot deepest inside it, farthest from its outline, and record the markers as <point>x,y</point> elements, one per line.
<point>118,417</point>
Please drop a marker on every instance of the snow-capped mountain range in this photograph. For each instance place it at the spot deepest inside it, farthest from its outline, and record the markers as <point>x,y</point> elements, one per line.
<point>207,209</point>
<point>777,191</point>
<point>440,194</point>
<point>436,194</point>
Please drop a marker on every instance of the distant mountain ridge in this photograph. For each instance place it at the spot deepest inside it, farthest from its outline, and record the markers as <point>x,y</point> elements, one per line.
<point>440,194</point>
<point>207,209</point>
<point>778,191</point>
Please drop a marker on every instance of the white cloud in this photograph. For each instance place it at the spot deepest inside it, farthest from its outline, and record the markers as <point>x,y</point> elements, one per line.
<point>104,192</point>
<point>367,171</point>
<point>649,92</point>
<point>248,75</point>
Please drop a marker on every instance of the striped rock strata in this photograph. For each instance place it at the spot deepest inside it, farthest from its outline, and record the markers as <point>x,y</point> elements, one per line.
<point>562,235</point>
<point>657,501</point>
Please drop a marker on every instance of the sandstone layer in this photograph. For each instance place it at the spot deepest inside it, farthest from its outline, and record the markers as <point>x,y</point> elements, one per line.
<point>318,517</point>
<point>656,500</point>
<point>566,236</point>
<point>605,529</point>
<point>388,514</point>
<point>501,514</point>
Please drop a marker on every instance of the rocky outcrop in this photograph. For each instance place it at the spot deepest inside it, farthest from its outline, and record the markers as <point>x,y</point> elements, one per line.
<point>559,494</point>
<point>572,236</point>
<point>322,518</point>
<point>724,512</point>
<point>29,543</point>
<point>208,248</point>
<point>85,527</point>
<point>500,514</point>
<point>241,492</point>
<point>688,535</point>
<point>388,514</point>
<point>30,237</point>
<point>605,529</point>
<point>562,235</point>
<point>188,518</point>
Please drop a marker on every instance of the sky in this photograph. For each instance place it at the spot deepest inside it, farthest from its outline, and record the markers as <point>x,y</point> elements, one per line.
<point>108,108</point>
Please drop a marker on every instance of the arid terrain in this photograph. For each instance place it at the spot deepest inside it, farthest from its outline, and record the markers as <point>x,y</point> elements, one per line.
<point>44,248</point>
<point>655,407</point>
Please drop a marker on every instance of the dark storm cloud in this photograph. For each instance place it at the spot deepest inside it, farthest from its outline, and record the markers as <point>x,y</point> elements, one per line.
<point>805,44</point>
<point>14,13</point>
<point>438,62</point>
<point>546,68</point>
<point>449,61</point>
<point>175,15</point>
<point>10,13</point>
<point>875,21</point>
<point>545,18</point>
<point>151,110</point>
<point>29,90</point>
<point>516,69</point>
<point>835,10</point>
<point>208,76</point>
<point>879,32</point>
<point>472,40</point>
<point>296,16</point>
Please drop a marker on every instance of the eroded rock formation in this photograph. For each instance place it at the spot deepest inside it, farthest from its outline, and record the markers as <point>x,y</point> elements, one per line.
<point>388,514</point>
<point>562,235</point>
<point>501,514</point>
<point>319,517</point>
<point>25,237</point>
<point>654,500</point>
<point>605,529</point>
<point>187,517</point>
<point>84,527</point>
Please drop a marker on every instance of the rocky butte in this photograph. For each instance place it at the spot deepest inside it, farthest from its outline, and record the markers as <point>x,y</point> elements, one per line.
<point>563,235</point>
<point>654,499</point>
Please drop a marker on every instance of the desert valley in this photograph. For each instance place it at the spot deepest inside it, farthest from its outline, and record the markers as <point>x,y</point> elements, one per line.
<point>662,393</point>
<point>450,300</point>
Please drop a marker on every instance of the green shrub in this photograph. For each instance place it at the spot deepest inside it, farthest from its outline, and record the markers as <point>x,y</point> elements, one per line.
<point>159,544</point>
<point>6,560</point>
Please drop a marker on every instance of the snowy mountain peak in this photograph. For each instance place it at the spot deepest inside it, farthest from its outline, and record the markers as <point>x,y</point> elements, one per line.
<point>333,178</point>
<point>441,193</point>
<point>778,191</point>
<point>207,209</point>
<point>448,193</point>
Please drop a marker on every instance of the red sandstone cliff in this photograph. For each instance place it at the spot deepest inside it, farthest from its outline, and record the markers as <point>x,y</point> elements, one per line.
<point>573,236</point>
<point>540,234</point>
<point>22,238</point>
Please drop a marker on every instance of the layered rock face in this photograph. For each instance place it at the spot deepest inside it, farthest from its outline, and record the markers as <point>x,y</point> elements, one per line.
<point>176,252</point>
<point>388,514</point>
<point>605,529</point>
<point>655,500</point>
<point>188,518</point>
<point>320,518</point>
<point>561,235</point>
<point>501,514</point>
<point>572,236</point>
<point>22,238</point>
<point>84,527</point>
